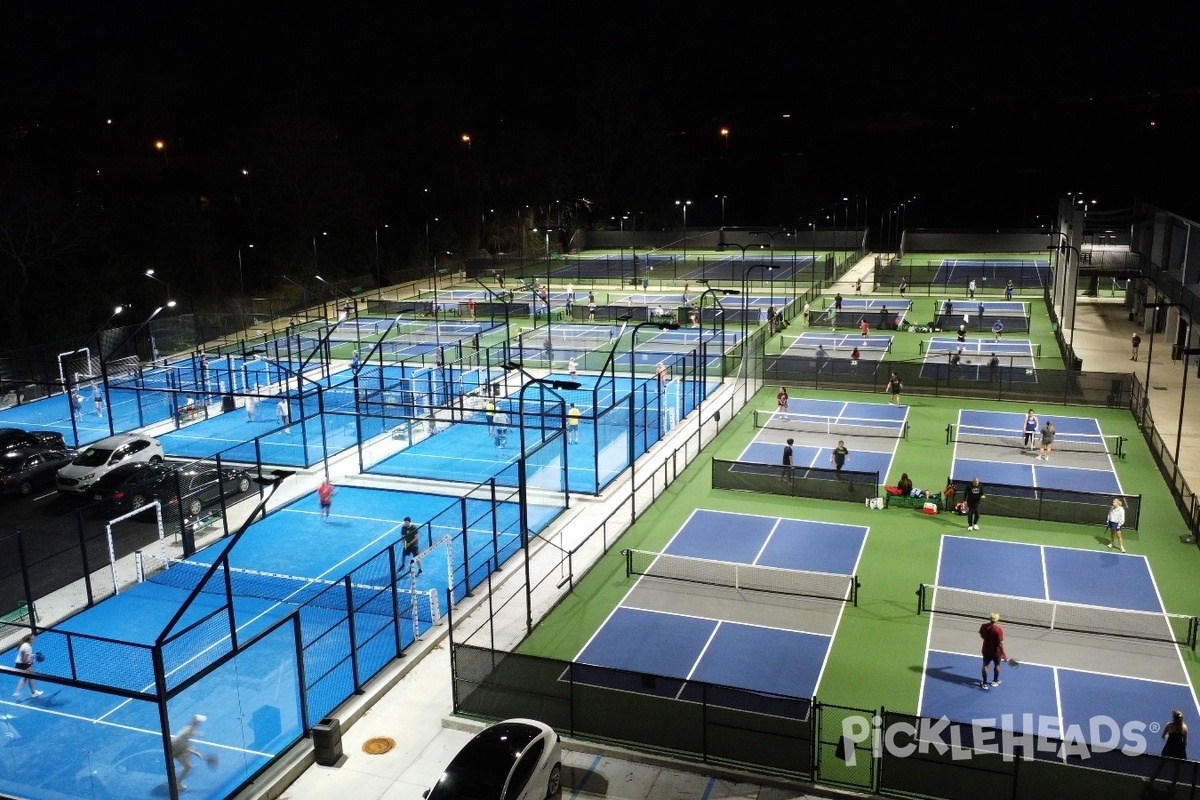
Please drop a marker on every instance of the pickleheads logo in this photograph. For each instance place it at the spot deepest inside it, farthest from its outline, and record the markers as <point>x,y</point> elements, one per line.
<point>1009,736</point>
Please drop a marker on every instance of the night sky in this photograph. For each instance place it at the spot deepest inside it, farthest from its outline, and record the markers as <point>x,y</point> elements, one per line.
<point>1010,106</point>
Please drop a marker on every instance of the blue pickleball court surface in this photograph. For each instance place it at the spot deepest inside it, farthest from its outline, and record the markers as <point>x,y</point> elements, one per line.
<point>1070,678</point>
<point>1088,471</point>
<point>662,649</point>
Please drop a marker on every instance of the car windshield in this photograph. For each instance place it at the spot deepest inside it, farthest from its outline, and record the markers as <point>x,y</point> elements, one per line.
<point>93,457</point>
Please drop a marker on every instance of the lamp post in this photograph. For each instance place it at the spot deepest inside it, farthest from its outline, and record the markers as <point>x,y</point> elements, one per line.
<point>169,303</point>
<point>684,204</point>
<point>1187,353</point>
<point>746,318</point>
<point>378,268</point>
<point>662,326</point>
<point>1150,349</point>
<point>703,345</point>
<point>427,248</point>
<point>104,358</point>
<point>316,262</point>
<point>723,197</point>
<point>333,291</point>
<point>523,487</point>
<point>507,326</point>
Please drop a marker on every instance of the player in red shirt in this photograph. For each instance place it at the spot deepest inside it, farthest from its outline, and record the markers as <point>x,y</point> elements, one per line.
<point>993,649</point>
<point>325,497</point>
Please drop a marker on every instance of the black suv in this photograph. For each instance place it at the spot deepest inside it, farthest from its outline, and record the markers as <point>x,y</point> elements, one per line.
<point>21,470</point>
<point>198,485</point>
<point>14,438</point>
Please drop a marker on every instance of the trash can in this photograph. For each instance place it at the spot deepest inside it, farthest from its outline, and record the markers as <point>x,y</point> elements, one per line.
<point>228,403</point>
<point>327,741</point>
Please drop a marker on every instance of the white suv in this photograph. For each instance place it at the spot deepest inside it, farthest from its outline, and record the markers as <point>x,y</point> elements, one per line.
<point>100,457</point>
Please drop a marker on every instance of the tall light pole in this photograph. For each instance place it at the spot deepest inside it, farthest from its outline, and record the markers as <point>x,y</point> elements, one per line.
<point>378,268</point>
<point>703,347</point>
<point>152,276</point>
<point>746,318</point>
<point>663,326</point>
<point>723,198</point>
<point>104,359</point>
<point>427,248</point>
<point>684,204</point>
<point>1150,349</point>
<point>523,488</point>
<point>333,289</point>
<point>316,262</point>
<point>1187,353</point>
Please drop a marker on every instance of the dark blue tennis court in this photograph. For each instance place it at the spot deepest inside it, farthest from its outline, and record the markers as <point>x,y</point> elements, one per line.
<point>1076,435</point>
<point>667,651</point>
<point>1087,627</point>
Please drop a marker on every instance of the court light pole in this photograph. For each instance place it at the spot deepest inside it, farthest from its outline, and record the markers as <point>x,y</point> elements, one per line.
<point>703,347</point>
<point>662,326</point>
<point>1187,353</point>
<point>523,484</point>
<point>1150,350</point>
<point>115,348</point>
<point>746,318</point>
<point>684,204</point>
<point>504,303</point>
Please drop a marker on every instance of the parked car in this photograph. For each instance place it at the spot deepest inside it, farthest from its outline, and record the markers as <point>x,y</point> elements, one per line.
<point>102,456</point>
<point>22,471</point>
<point>518,759</point>
<point>14,438</point>
<point>197,485</point>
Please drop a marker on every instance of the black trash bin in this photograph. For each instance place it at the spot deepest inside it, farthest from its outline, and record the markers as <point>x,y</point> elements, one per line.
<point>327,741</point>
<point>228,403</point>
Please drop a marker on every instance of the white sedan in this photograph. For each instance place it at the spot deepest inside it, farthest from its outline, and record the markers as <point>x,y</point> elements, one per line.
<point>518,759</point>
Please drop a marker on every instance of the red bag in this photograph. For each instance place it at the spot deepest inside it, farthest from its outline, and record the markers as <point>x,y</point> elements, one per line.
<point>893,490</point>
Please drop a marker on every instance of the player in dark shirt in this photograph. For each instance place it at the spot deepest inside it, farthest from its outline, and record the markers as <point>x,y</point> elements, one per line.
<point>993,648</point>
<point>974,496</point>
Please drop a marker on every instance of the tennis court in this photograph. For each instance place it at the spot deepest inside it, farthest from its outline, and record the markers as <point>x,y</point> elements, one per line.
<point>1023,272</point>
<point>989,444</point>
<point>778,593</point>
<point>1098,654</point>
<point>1015,359</point>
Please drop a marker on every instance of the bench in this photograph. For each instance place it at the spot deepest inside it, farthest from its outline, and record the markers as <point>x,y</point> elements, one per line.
<point>902,501</point>
<point>19,615</point>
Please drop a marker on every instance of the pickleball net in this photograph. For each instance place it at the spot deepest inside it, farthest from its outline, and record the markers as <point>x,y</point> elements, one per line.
<point>832,426</point>
<point>747,577</point>
<point>371,598</point>
<point>1072,442</point>
<point>1061,616</point>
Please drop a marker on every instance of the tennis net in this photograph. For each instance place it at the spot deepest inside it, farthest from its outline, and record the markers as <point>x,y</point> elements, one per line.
<point>298,591</point>
<point>833,426</point>
<point>1073,442</point>
<point>1061,616</point>
<point>748,577</point>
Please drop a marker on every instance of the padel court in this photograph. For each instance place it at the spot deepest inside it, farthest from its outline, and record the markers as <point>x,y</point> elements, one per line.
<point>989,445</point>
<point>1088,629</point>
<point>760,619</point>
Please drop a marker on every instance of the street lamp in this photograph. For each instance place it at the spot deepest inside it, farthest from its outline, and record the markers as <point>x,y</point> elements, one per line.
<point>523,487</point>
<point>427,248</point>
<point>150,274</point>
<point>104,358</point>
<point>662,326</point>
<point>713,290</point>
<point>684,204</point>
<point>333,290</point>
<point>1187,353</point>
<point>746,317</point>
<point>378,270</point>
<point>1150,350</point>
<point>317,263</point>
<point>723,197</point>
<point>241,275</point>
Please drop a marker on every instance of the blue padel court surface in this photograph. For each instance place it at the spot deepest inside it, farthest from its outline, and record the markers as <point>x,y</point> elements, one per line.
<point>1005,426</point>
<point>1062,698</point>
<point>270,580</point>
<point>1015,359</point>
<point>665,652</point>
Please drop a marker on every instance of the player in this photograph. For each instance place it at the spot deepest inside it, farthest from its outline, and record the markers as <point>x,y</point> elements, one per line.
<point>1174,734</point>
<point>24,663</point>
<point>325,498</point>
<point>1116,521</point>
<point>410,535</point>
<point>993,649</point>
<point>781,398</point>
<point>1047,441</point>
<point>1031,428</point>
<point>573,424</point>
<point>182,749</point>
<point>975,497</point>
<point>787,461</point>
<point>840,454</point>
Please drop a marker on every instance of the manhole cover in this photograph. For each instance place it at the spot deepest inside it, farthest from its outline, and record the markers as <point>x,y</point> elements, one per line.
<point>378,745</point>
